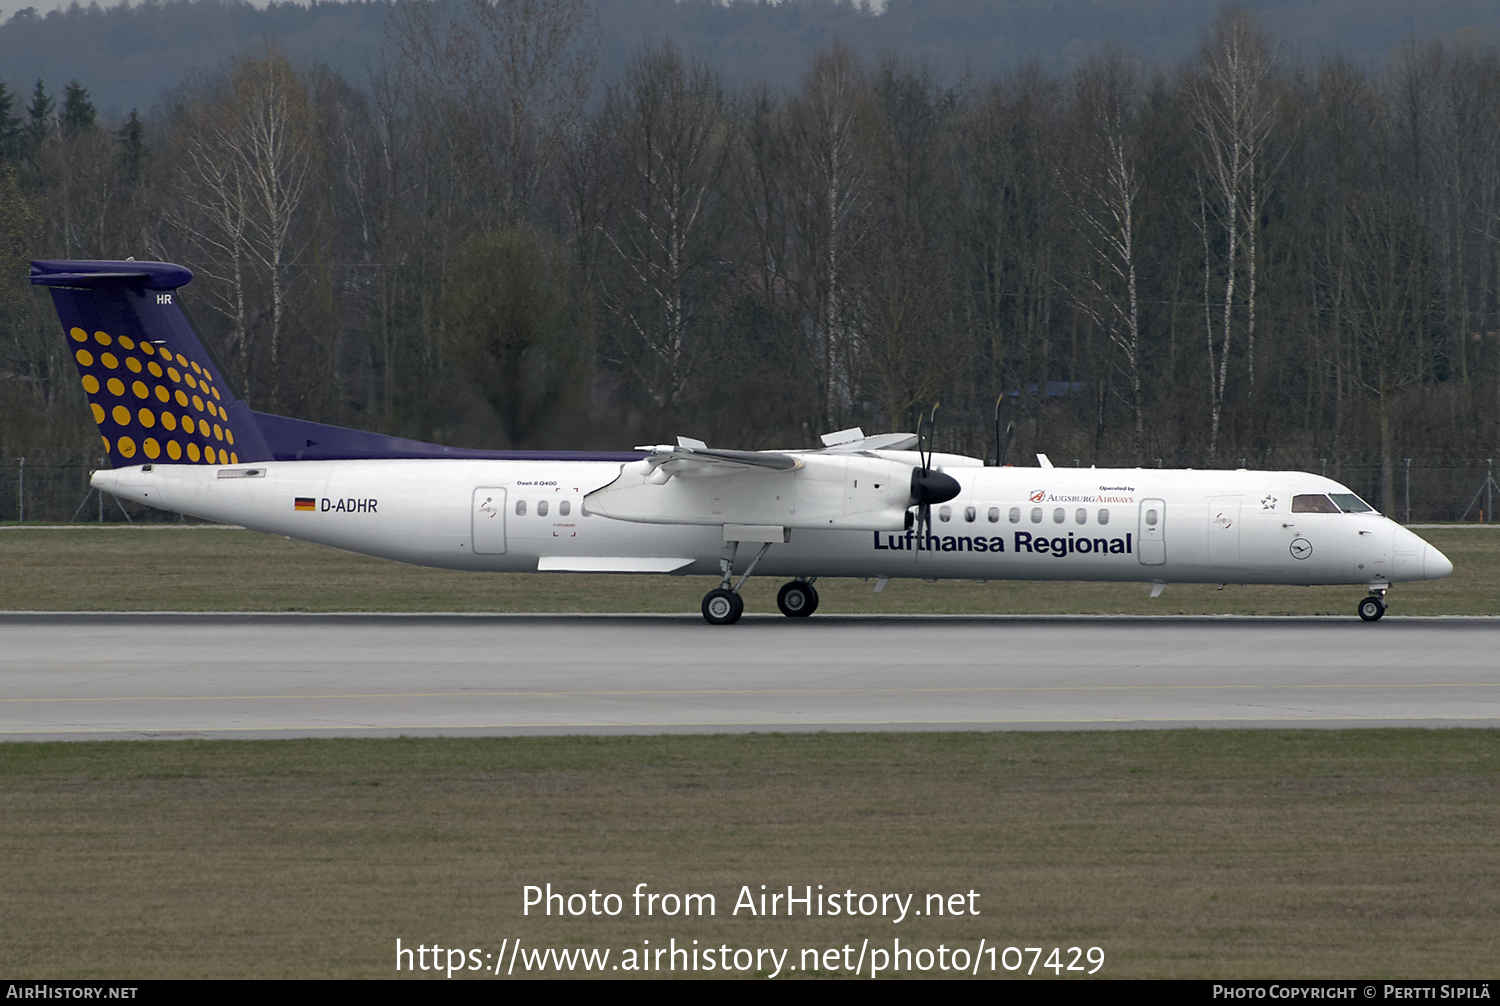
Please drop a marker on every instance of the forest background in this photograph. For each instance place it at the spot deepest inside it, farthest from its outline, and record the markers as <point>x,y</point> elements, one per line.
<point>506,232</point>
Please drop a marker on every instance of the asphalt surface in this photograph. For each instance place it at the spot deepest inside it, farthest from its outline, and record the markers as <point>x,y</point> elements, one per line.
<point>153,675</point>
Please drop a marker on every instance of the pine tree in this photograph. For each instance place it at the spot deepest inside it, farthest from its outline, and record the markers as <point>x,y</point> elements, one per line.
<point>10,134</point>
<point>77,112</point>
<point>132,137</point>
<point>39,114</point>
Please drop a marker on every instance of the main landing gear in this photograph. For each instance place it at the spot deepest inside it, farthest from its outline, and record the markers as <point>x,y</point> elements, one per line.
<point>723,605</point>
<point>797,599</point>
<point>1374,606</point>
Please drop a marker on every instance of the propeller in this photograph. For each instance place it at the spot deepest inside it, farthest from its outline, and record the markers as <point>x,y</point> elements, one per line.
<point>929,486</point>
<point>1002,446</point>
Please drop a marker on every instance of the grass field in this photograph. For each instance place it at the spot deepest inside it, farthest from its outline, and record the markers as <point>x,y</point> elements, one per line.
<point>197,569</point>
<point>1347,853</point>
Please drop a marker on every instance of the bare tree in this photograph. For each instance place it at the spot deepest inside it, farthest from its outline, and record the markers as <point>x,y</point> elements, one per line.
<point>208,208</point>
<point>908,357</point>
<point>1106,184</point>
<point>509,79</point>
<point>1230,105</point>
<point>272,138</point>
<point>1466,149</point>
<point>1010,145</point>
<point>671,151</point>
<point>244,158</point>
<point>831,191</point>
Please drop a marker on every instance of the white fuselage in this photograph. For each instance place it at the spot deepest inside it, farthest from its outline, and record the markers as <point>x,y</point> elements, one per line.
<point>1006,523</point>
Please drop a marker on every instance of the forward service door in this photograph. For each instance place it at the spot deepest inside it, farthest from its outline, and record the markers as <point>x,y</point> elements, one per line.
<point>488,516</point>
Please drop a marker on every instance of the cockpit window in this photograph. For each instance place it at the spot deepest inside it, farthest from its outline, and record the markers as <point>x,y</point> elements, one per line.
<point>1313,503</point>
<point>1350,503</point>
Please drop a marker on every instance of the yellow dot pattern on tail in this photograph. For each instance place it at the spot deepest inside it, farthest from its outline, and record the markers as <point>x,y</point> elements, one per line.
<point>200,434</point>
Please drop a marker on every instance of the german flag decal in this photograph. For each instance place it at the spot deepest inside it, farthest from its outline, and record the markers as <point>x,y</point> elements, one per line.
<point>306,503</point>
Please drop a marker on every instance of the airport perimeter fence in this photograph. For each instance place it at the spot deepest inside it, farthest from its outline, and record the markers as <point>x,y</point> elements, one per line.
<point>54,488</point>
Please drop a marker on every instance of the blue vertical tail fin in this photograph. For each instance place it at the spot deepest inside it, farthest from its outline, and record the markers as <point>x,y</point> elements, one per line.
<point>152,385</point>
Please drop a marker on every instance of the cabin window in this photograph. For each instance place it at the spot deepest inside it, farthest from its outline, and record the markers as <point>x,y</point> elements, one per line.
<point>563,508</point>
<point>1150,518</point>
<point>541,508</point>
<point>1350,503</point>
<point>520,508</point>
<point>1103,516</point>
<point>970,513</point>
<point>1015,515</point>
<point>1081,517</point>
<point>1313,503</point>
<point>945,514</point>
<point>1036,515</point>
<point>1059,515</point>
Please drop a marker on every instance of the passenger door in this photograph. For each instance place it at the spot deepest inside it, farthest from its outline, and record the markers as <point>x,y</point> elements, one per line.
<point>1151,536</point>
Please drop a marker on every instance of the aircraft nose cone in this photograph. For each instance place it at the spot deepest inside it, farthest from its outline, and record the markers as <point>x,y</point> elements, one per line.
<point>1435,564</point>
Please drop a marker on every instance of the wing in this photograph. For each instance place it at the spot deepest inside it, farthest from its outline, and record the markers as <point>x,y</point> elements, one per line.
<point>695,455</point>
<point>842,487</point>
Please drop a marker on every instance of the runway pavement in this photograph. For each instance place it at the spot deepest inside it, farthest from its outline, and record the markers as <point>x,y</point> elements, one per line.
<point>129,675</point>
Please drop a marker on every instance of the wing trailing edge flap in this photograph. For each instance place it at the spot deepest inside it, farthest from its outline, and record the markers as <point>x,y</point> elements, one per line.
<point>610,564</point>
<point>691,483</point>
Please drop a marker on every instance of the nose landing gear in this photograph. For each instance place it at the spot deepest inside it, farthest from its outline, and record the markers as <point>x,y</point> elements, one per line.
<point>1372,608</point>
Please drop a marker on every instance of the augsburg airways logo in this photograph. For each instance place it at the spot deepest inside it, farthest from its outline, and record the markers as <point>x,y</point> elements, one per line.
<point>1104,495</point>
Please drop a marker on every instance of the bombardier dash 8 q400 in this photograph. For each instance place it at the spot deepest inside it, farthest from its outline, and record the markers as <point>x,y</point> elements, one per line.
<point>179,439</point>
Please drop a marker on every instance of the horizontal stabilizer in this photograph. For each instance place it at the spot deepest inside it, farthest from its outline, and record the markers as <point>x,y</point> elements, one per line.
<point>86,275</point>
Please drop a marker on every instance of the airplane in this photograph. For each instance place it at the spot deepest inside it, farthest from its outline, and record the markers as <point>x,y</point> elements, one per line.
<point>180,439</point>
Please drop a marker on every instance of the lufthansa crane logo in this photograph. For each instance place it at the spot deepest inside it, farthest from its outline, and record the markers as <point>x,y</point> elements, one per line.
<point>1301,548</point>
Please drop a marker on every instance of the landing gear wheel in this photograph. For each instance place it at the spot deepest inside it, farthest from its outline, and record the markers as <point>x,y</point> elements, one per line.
<point>1371,608</point>
<point>797,599</point>
<point>722,607</point>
